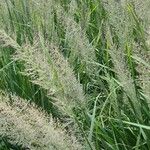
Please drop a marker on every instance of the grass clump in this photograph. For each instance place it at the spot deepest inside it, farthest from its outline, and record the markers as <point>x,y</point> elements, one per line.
<point>87,63</point>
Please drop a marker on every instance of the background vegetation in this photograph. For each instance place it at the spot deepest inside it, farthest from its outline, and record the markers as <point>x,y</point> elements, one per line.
<point>75,74</point>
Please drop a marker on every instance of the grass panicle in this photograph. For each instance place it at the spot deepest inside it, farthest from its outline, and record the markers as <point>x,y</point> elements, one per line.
<point>25,125</point>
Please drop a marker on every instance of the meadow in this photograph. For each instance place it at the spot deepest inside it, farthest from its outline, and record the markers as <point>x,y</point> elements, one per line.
<point>74,75</point>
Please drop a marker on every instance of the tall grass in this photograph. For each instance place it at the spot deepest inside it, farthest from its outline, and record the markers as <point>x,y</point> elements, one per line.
<point>86,63</point>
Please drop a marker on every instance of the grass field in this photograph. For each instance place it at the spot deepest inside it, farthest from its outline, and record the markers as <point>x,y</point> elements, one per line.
<point>74,75</point>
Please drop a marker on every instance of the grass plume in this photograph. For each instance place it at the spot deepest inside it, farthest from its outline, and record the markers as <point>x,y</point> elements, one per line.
<point>25,125</point>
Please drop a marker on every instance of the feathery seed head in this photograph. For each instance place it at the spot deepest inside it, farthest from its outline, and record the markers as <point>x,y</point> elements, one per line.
<point>25,125</point>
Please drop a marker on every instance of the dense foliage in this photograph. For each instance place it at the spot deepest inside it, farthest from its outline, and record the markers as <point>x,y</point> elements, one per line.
<point>75,74</point>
